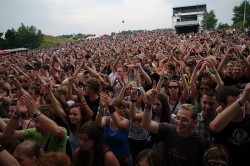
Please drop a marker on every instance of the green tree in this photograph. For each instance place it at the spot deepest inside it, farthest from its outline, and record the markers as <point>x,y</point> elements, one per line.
<point>239,14</point>
<point>11,38</point>
<point>223,26</point>
<point>29,37</point>
<point>237,24</point>
<point>2,41</point>
<point>209,20</point>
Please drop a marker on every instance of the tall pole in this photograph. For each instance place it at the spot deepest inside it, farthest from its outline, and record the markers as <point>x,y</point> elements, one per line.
<point>244,15</point>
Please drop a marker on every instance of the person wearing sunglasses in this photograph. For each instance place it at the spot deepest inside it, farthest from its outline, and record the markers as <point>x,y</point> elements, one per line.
<point>177,96</point>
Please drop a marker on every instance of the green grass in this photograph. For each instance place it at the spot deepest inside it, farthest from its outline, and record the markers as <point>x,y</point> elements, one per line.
<point>50,41</point>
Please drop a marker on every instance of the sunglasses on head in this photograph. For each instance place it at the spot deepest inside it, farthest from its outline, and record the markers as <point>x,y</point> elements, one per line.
<point>211,163</point>
<point>173,87</point>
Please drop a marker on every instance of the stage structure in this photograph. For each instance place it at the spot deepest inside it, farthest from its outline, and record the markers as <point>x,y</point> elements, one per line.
<point>187,19</point>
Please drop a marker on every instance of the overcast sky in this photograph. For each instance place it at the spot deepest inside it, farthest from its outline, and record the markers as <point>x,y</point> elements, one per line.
<point>58,17</point>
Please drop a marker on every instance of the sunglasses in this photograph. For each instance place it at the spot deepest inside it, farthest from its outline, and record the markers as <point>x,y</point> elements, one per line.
<point>189,65</point>
<point>173,87</point>
<point>210,163</point>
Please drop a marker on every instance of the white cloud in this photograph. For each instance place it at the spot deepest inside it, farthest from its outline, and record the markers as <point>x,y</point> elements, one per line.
<point>58,17</point>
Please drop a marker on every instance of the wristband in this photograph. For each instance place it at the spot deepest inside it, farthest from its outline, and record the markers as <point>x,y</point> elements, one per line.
<point>148,107</point>
<point>100,113</point>
<point>82,98</point>
<point>38,113</point>
<point>111,109</point>
<point>214,71</point>
<point>162,78</point>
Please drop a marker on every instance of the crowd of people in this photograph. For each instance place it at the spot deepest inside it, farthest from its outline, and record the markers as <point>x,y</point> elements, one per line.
<point>145,99</point>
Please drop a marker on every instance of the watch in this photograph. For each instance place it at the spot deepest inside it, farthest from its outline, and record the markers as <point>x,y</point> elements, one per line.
<point>36,114</point>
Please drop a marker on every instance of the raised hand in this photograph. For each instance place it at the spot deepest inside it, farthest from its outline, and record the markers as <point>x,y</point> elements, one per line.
<point>105,100</point>
<point>150,95</point>
<point>21,106</point>
<point>200,63</point>
<point>30,103</point>
<point>71,80</point>
<point>79,92</point>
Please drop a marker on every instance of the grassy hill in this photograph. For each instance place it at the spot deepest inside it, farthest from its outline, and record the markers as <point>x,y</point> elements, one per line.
<point>50,41</point>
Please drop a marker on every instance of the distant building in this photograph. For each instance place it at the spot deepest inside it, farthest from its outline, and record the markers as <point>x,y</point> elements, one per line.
<point>187,19</point>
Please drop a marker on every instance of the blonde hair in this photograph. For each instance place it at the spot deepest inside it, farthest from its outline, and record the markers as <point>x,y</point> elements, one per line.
<point>29,148</point>
<point>132,83</point>
<point>62,89</point>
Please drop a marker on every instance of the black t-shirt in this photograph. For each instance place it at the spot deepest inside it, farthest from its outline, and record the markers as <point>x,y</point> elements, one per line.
<point>154,77</point>
<point>230,81</point>
<point>93,105</point>
<point>180,151</point>
<point>235,136</point>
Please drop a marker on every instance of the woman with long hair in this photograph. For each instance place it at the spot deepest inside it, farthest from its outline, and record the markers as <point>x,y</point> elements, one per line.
<point>76,116</point>
<point>161,111</point>
<point>92,150</point>
<point>137,136</point>
<point>176,96</point>
<point>176,93</point>
<point>116,128</point>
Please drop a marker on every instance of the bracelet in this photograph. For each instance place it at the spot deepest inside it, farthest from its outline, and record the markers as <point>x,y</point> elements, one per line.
<point>148,107</point>
<point>100,113</point>
<point>82,98</point>
<point>38,113</point>
<point>111,109</point>
<point>214,71</point>
<point>240,103</point>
